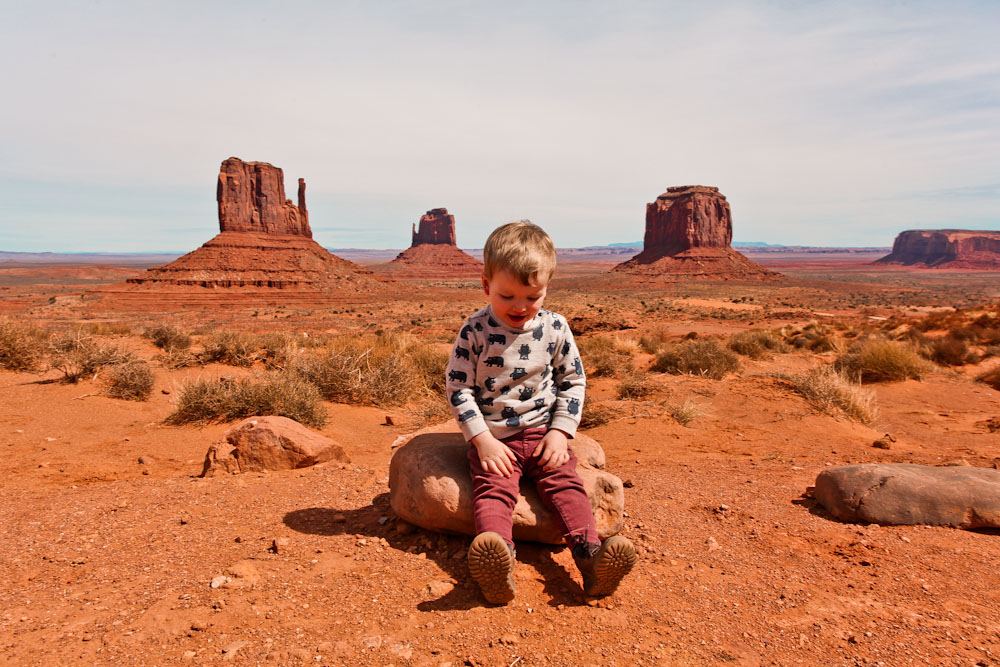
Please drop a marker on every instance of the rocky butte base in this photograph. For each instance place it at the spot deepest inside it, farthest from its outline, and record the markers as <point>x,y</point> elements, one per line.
<point>264,247</point>
<point>965,249</point>
<point>433,252</point>
<point>689,231</point>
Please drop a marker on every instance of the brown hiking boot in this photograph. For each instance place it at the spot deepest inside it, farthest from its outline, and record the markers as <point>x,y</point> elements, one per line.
<point>491,564</point>
<point>603,568</point>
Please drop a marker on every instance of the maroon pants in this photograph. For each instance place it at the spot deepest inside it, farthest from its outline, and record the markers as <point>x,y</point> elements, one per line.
<point>494,496</point>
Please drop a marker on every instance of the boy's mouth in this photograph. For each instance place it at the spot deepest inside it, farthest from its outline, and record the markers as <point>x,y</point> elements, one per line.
<point>515,318</point>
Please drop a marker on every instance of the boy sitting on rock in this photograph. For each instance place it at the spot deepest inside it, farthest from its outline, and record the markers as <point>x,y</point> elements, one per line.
<point>516,386</point>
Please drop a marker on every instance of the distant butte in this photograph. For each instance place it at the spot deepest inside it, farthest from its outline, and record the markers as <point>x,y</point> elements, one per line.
<point>264,245</point>
<point>433,252</point>
<point>689,232</point>
<point>946,249</point>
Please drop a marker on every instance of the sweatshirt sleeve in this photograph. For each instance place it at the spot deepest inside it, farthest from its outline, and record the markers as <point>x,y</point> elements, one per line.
<point>570,382</point>
<point>460,382</point>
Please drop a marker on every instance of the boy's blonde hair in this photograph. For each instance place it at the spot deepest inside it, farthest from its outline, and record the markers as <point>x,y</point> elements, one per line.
<point>522,248</point>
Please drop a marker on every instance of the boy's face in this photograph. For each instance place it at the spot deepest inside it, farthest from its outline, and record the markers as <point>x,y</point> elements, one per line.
<point>514,302</point>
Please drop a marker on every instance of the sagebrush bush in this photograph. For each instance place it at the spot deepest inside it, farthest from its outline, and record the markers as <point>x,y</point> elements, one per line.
<point>835,393</point>
<point>813,336</point>
<point>756,343</point>
<point>22,346</point>
<point>224,399</point>
<point>876,359</point>
<point>168,338</point>
<point>704,357</point>
<point>131,381</point>
<point>77,354</point>
<point>233,348</point>
<point>277,349</point>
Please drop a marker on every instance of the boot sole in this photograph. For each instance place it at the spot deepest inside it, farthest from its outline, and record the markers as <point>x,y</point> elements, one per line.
<point>492,567</point>
<point>615,560</point>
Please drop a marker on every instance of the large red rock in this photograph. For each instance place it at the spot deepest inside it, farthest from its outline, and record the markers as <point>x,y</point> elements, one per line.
<point>269,443</point>
<point>264,245</point>
<point>946,248</point>
<point>689,231</point>
<point>433,253</point>
<point>436,227</point>
<point>900,494</point>
<point>251,197</point>
<point>430,486</point>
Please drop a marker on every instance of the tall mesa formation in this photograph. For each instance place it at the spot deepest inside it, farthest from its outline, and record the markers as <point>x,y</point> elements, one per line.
<point>689,232</point>
<point>264,244</point>
<point>946,249</point>
<point>433,252</point>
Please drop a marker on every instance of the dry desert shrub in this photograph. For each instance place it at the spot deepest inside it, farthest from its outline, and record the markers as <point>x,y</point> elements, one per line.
<point>277,349</point>
<point>131,380</point>
<point>951,351</point>
<point>991,378</point>
<point>684,413</point>
<point>77,354</point>
<point>107,329</point>
<point>654,340</point>
<point>704,357</point>
<point>757,343</point>
<point>368,369</point>
<point>814,337</point>
<point>835,393</point>
<point>225,399</point>
<point>168,338</point>
<point>429,361</point>
<point>596,415</point>
<point>22,346</point>
<point>603,356</point>
<point>635,384</point>
<point>876,359</point>
<point>233,348</point>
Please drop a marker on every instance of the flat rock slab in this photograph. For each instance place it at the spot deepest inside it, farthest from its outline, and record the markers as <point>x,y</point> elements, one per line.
<point>430,486</point>
<point>269,443</point>
<point>901,494</point>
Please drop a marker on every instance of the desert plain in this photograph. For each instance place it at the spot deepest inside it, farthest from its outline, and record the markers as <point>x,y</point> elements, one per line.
<point>116,551</point>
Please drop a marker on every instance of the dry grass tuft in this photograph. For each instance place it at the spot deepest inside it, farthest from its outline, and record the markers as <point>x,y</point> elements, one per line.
<point>814,337</point>
<point>835,393</point>
<point>278,394</point>
<point>429,362</point>
<point>757,343</point>
<point>107,329</point>
<point>635,384</point>
<point>991,377</point>
<point>131,381</point>
<point>604,356</point>
<point>876,359</point>
<point>951,351</point>
<point>22,346</point>
<point>368,369</point>
<point>684,413</point>
<point>654,340</point>
<point>596,415</point>
<point>704,357</point>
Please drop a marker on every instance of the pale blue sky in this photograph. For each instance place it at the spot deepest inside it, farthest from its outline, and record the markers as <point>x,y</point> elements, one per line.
<point>823,123</point>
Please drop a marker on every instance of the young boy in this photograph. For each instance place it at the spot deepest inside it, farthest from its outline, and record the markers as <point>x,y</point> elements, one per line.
<point>516,385</point>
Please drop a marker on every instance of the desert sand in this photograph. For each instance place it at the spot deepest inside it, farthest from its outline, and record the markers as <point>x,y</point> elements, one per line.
<point>109,560</point>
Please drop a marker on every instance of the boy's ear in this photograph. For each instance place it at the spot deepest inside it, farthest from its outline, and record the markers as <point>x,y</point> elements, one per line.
<point>486,284</point>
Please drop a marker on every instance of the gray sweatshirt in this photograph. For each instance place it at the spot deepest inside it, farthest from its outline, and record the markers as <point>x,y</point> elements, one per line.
<point>507,380</point>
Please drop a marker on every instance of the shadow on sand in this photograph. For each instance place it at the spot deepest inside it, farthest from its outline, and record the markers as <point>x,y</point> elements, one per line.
<point>446,551</point>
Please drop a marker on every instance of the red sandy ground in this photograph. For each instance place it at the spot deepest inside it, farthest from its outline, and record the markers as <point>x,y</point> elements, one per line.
<point>109,561</point>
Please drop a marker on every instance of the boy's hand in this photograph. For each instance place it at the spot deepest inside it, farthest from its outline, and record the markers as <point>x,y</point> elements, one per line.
<point>553,450</point>
<point>494,456</point>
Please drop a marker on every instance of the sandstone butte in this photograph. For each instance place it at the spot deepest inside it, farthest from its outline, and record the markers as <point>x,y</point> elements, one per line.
<point>689,232</point>
<point>433,252</point>
<point>264,246</point>
<point>946,249</point>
